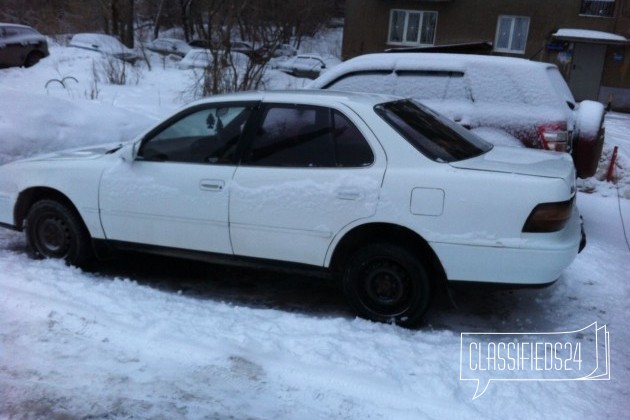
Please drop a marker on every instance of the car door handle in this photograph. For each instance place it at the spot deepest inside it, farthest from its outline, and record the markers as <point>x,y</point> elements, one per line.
<point>349,194</point>
<point>211,184</point>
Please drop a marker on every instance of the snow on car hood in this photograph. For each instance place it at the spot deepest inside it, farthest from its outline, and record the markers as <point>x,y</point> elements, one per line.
<point>85,153</point>
<point>524,162</point>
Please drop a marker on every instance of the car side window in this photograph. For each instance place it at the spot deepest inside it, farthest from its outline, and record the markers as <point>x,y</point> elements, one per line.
<point>440,85</point>
<point>307,137</point>
<point>210,135</point>
<point>352,149</point>
<point>370,81</point>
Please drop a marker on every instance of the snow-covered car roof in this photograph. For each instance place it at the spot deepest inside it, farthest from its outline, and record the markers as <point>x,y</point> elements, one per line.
<point>201,58</point>
<point>99,42</point>
<point>105,44</point>
<point>169,46</point>
<point>16,25</point>
<point>25,32</point>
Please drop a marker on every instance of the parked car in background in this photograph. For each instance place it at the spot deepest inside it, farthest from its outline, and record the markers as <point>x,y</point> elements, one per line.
<point>21,45</point>
<point>199,43</point>
<point>235,46</point>
<point>166,46</point>
<point>281,50</point>
<point>378,192</point>
<point>242,47</point>
<point>105,44</point>
<point>201,58</point>
<point>505,100</point>
<point>308,66</point>
<point>196,58</point>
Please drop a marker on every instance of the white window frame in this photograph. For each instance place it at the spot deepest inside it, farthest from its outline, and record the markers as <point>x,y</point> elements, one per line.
<point>509,49</point>
<point>610,12</point>
<point>408,13</point>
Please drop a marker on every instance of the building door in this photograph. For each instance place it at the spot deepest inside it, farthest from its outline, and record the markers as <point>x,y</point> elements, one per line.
<point>586,71</point>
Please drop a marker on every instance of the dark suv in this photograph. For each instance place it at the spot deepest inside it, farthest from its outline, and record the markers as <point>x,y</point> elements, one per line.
<point>21,45</point>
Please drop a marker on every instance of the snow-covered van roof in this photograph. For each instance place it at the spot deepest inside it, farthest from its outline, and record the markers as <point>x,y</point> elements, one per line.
<point>490,79</point>
<point>425,61</point>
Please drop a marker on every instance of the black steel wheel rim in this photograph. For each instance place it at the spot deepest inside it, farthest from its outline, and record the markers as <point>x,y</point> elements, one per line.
<point>385,287</point>
<point>52,236</point>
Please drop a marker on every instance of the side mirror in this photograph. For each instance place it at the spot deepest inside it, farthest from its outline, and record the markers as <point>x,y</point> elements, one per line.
<point>128,152</point>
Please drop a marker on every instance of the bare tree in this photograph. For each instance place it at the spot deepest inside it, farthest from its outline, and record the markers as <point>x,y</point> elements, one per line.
<point>265,24</point>
<point>157,20</point>
<point>48,16</point>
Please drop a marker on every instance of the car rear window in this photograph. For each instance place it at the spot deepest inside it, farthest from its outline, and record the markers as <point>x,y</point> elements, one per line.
<point>434,136</point>
<point>560,85</point>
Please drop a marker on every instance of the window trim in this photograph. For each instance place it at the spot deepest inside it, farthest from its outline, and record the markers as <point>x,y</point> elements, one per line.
<point>407,12</point>
<point>192,110</point>
<point>259,119</point>
<point>497,34</point>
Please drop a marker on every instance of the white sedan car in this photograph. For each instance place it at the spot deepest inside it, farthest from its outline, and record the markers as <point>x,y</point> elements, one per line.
<point>105,44</point>
<point>380,192</point>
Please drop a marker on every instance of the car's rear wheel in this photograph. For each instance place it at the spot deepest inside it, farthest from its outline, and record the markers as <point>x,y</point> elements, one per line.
<point>53,230</point>
<point>387,283</point>
<point>33,58</point>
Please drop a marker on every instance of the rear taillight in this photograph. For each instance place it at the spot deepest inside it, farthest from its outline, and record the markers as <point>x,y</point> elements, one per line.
<point>554,136</point>
<point>549,217</point>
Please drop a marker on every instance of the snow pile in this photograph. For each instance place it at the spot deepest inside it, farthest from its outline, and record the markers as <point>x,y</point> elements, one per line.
<point>589,118</point>
<point>35,123</point>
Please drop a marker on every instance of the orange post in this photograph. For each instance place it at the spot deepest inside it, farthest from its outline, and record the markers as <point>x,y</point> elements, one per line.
<point>611,167</point>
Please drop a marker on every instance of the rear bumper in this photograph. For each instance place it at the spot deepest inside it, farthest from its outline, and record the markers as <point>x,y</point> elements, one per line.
<point>538,261</point>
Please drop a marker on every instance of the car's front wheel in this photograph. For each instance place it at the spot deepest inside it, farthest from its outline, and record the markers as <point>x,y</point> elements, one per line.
<point>53,230</point>
<point>387,283</point>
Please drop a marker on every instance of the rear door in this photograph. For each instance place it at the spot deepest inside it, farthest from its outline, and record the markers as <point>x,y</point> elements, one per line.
<point>308,172</point>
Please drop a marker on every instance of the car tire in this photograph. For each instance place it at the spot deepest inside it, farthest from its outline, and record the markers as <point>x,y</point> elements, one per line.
<point>33,58</point>
<point>53,230</point>
<point>385,282</point>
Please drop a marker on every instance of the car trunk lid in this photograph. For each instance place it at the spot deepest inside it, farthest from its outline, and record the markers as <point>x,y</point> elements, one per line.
<point>524,162</point>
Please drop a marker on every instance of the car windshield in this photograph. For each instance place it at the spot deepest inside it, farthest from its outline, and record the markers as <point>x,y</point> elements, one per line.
<point>431,134</point>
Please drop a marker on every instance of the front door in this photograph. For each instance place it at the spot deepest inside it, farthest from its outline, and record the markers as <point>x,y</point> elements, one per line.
<point>586,70</point>
<point>176,193</point>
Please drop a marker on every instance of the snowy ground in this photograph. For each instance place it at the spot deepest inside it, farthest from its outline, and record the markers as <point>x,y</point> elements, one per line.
<point>151,337</point>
